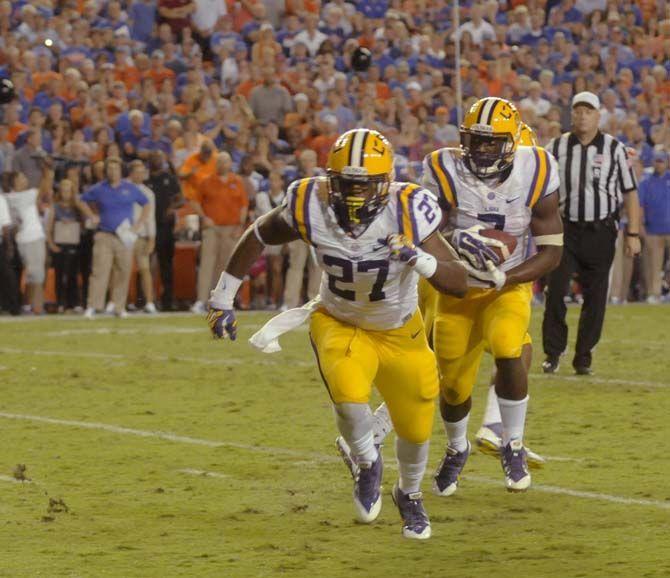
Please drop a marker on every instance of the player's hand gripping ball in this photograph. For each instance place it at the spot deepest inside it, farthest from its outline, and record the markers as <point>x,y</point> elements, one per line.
<point>223,324</point>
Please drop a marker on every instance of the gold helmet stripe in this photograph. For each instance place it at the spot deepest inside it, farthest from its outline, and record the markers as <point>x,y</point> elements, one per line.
<point>541,177</point>
<point>300,208</point>
<point>443,178</point>
<point>406,221</point>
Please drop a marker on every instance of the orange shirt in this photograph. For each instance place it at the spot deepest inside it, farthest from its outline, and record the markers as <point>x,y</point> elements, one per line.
<point>321,145</point>
<point>201,171</point>
<point>129,75</point>
<point>223,199</point>
<point>41,79</point>
<point>14,130</point>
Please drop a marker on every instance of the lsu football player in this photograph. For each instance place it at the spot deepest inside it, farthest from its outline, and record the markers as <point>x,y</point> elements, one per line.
<point>491,182</point>
<point>373,238</point>
<point>489,435</point>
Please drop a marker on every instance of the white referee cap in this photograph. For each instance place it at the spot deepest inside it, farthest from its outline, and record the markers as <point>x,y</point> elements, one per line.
<point>587,98</point>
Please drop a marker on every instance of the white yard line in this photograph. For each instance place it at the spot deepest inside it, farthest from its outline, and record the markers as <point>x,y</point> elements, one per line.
<point>576,493</point>
<point>301,455</point>
<point>586,380</point>
<point>264,360</point>
<point>201,473</point>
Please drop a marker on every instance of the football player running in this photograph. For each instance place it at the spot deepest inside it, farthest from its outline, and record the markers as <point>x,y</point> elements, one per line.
<point>491,181</point>
<point>373,238</point>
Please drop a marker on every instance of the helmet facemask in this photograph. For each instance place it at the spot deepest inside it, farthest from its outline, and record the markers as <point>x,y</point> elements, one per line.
<point>489,155</point>
<point>356,200</point>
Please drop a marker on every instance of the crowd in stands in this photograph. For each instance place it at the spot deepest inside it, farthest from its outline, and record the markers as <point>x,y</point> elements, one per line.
<point>139,124</point>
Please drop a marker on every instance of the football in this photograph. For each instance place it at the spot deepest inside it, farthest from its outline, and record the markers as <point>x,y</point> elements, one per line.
<point>502,236</point>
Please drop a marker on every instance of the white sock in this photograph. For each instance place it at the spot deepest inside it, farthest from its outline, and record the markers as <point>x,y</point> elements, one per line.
<point>457,433</point>
<point>381,424</point>
<point>513,417</point>
<point>354,420</point>
<point>492,413</point>
<point>412,461</point>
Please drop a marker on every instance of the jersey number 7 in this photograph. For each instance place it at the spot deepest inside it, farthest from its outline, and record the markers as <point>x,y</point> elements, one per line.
<point>347,276</point>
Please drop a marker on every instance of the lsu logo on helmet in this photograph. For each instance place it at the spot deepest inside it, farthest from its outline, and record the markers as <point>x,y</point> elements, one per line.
<point>490,135</point>
<point>360,170</point>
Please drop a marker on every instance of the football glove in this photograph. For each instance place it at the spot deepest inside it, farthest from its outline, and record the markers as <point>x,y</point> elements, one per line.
<point>222,322</point>
<point>402,249</point>
<point>491,276</point>
<point>474,247</point>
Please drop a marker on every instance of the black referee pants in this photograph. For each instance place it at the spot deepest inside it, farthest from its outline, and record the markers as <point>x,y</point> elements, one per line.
<point>588,250</point>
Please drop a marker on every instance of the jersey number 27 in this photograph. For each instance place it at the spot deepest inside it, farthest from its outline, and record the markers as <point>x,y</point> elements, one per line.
<point>347,276</point>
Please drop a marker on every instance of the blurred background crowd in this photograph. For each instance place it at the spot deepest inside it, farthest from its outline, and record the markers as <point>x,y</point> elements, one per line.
<point>143,135</point>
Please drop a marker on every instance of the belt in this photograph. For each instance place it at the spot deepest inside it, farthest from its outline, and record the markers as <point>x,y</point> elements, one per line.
<point>609,222</point>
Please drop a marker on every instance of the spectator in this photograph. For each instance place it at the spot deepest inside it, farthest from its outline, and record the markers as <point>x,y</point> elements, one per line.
<point>64,239</point>
<point>31,159</point>
<point>270,101</point>
<point>311,36</point>
<point>146,235</point>
<point>30,238</point>
<point>168,199</point>
<point>298,252</point>
<point>655,205</point>
<point>222,205</point>
<point>114,241</point>
<point>197,168</point>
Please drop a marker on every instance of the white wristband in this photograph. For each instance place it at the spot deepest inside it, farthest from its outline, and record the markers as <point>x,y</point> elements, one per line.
<point>223,295</point>
<point>425,264</point>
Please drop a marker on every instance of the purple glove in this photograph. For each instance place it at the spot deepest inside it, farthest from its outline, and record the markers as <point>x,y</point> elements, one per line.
<point>402,249</point>
<point>475,248</point>
<point>223,324</point>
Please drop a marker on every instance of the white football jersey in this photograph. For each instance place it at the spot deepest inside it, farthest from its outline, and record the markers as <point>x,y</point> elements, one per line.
<point>507,205</point>
<point>361,285</point>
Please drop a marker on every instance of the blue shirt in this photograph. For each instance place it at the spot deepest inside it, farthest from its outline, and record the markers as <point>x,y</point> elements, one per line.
<point>143,16</point>
<point>655,200</point>
<point>115,204</point>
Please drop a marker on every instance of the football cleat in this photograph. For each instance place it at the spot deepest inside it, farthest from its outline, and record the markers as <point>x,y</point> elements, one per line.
<point>416,524</point>
<point>489,442</point>
<point>445,481</point>
<point>513,459</point>
<point>367,490</point>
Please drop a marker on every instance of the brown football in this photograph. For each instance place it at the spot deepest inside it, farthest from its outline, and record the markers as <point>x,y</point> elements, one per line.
<point>506,238</point>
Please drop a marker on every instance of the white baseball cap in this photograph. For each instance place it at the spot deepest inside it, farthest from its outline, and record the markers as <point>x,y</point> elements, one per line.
<point>587,98</point>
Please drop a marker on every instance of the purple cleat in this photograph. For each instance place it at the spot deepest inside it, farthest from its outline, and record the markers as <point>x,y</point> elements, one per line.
<point>367,494</point>
<point>513,459</point>
<point>416,524</point>
<point>445,481</point>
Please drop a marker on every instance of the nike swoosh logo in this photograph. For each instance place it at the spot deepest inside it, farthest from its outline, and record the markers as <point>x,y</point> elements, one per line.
<point>417,333</point>
<point>508,201</point>
<point>378,248</point>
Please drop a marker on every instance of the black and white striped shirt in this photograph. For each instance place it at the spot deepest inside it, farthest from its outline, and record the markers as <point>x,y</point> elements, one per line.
<point>594,177</point>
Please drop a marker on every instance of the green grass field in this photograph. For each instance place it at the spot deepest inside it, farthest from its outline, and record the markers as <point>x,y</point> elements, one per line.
<point>116,421</point>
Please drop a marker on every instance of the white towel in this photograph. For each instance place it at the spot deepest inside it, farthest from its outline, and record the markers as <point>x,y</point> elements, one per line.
<point>267,337</point>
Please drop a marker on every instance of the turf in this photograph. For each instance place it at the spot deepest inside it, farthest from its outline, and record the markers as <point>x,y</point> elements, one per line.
<point>118,502</point>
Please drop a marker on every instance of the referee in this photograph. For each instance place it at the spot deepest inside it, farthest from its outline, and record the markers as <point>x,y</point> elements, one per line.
<point>596,179</point>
